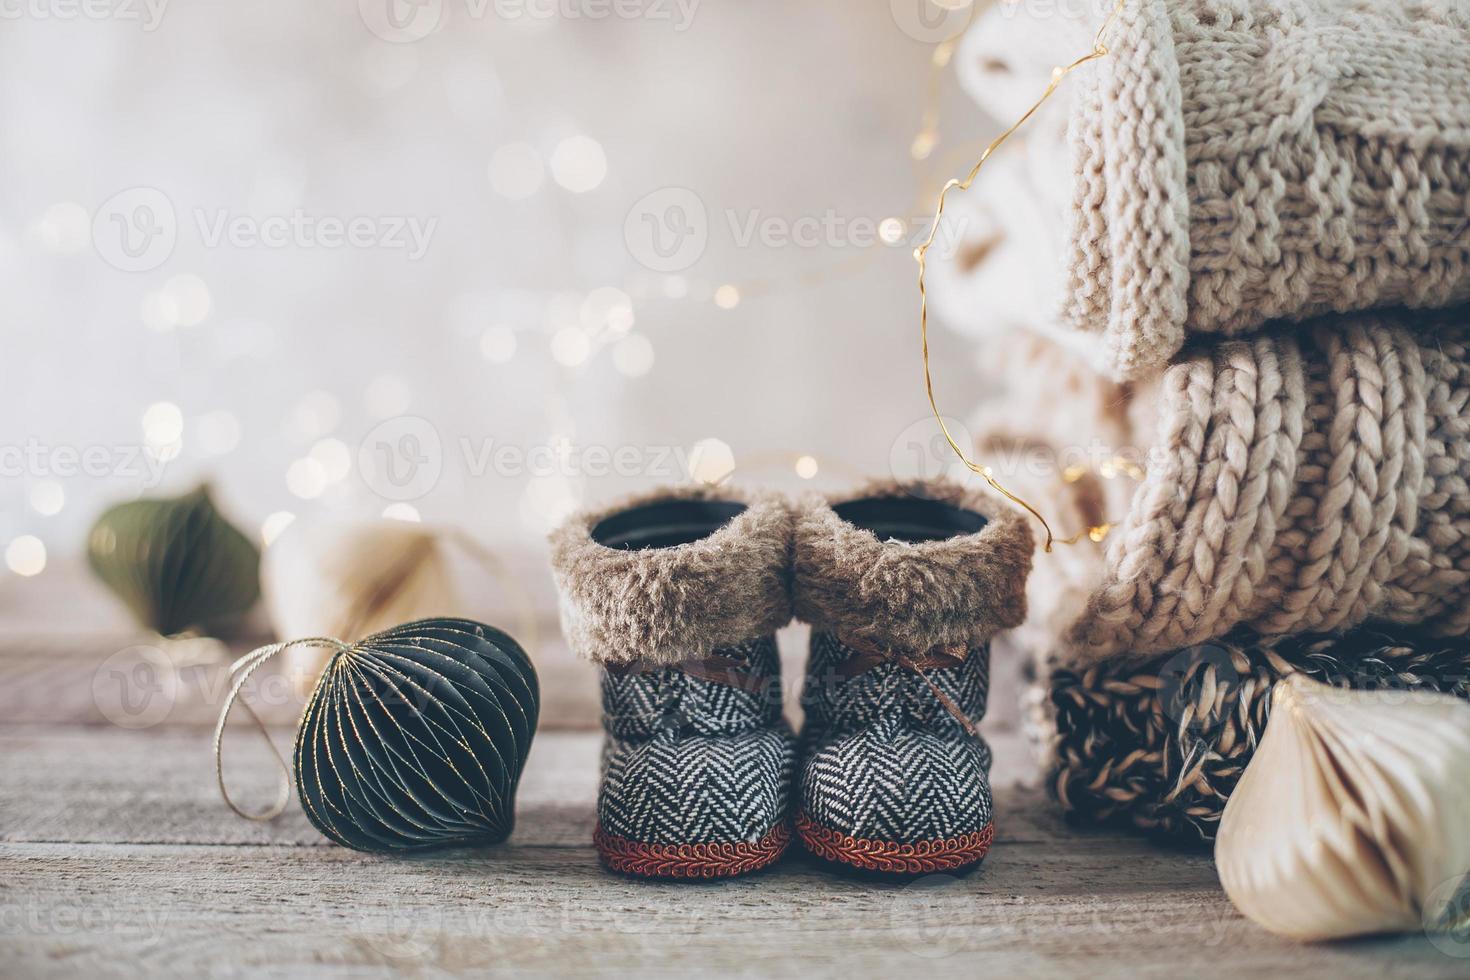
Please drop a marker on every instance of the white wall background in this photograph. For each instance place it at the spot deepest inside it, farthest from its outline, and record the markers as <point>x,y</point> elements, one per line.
<point>281,109</point>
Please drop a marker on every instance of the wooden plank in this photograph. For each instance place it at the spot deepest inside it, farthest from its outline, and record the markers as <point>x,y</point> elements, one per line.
<point>1073,908</point>
<point>119,858</point>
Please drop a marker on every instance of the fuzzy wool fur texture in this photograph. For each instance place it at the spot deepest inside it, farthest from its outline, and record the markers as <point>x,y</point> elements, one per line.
<point>662,606</point>
<point>911,596</point>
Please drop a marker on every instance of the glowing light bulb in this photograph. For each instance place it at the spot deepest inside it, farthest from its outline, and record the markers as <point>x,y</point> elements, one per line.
<point>163,425</point>
<point>47,497</point>
<point>26,555</point>
<point>578,164</point>
<point>711,461</point>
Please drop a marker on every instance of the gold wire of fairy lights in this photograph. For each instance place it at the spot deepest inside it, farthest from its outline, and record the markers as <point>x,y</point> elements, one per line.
<point>1108,469</point>
<point>1099,50</point>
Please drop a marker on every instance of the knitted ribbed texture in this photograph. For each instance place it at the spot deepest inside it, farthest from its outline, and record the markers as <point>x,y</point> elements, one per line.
<point>1299,482</point>
<point>1160,744</point>
<point>1239,161</point>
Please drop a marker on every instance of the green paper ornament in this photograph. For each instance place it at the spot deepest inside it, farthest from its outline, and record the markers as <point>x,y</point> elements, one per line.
<point>176,562</point>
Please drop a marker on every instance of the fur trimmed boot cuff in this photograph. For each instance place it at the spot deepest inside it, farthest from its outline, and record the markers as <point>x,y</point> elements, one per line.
<point>673,575</point>
<point>911,565</point>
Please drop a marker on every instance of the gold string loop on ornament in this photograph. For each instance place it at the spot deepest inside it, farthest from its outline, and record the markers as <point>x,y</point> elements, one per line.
<point>239,673</point>
<point>1099,50</point>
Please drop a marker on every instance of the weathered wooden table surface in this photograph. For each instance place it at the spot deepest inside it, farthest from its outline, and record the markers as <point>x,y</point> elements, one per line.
<point>117,857</point>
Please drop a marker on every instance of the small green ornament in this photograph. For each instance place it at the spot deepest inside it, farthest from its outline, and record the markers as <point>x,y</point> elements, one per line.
<point>175,561</point>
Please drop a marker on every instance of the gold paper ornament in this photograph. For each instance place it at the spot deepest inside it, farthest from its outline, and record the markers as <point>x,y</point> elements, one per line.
<point>1354,815</point>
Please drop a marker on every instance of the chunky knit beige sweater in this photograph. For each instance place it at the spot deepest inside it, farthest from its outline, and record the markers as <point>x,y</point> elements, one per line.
<point>1302,479</point>
<point>1239,161</point>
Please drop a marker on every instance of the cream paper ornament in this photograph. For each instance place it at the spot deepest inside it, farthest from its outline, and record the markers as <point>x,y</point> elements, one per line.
<point>1353,816</point>
<point>350,579</point>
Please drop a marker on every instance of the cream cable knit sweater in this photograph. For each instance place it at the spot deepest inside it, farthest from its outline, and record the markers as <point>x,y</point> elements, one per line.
<point>1298,482</point>
<point>1242,160</point>
<point>1306,479</point>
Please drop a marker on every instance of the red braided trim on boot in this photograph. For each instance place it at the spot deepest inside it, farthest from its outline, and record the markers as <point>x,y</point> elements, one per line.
<point>718,860</point>
<point>924,857</point>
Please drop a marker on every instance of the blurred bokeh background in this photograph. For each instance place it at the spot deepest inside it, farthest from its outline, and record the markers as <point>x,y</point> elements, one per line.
<point>468,262</point>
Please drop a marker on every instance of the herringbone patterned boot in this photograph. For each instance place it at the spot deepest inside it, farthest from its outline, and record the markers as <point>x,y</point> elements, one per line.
<point>678,596</point>
<point>904,584</point>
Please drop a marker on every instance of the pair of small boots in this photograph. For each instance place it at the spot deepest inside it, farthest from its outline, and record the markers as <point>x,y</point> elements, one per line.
<point>678,595</point>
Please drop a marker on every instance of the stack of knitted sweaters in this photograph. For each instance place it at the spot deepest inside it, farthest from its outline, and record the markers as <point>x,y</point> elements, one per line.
<point>1251,222</point>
